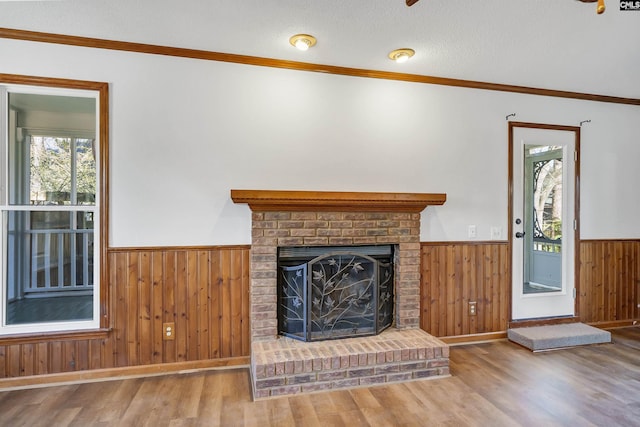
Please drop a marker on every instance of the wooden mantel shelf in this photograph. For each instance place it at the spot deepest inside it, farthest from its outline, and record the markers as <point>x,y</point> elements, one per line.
<point>276,200</point>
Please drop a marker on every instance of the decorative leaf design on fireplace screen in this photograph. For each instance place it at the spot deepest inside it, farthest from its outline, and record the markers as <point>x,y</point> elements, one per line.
<point>335,296</point>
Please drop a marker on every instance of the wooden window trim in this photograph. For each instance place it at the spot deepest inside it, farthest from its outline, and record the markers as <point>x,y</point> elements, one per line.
<point>103,132</point>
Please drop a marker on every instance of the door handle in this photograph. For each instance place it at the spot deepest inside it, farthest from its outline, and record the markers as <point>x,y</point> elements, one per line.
<point>519,234</point>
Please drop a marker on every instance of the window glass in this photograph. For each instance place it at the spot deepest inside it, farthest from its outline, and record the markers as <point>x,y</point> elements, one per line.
<point>49,211</point>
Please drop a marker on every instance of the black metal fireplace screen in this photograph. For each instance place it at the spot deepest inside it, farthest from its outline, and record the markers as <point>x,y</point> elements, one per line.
<point>334,292</point>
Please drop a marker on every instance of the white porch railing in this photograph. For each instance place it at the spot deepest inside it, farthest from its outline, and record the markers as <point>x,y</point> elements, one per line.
<point>61,262</point>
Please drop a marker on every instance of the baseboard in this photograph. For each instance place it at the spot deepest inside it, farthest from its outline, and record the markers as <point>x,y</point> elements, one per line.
<point>111,374</point>
<point>473,338</point>
<point>612,324</point>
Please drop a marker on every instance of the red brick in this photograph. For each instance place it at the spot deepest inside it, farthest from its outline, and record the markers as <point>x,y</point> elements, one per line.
<point>264,241</point>
<point>354,232</point>
<point>340,241</point>
<point>290,241</point>
<point>364,224</point>
<point>439,363</point>
<point>331,376</point>
<point>387,369</point>
<point>301,379</point>
<point>376,232</point>
<point>302,232</point>
<point>414,366</point>
<point>388,223</point>
<point>404,376</point>
<point>281,391</point>
<point>255,249</point>
<point>276,233</point>
<point>264,224</point>
<point>303,215</point>
<point>268,383</point>
<point>361,372</point>
<point>291,224</point>
<point>425,373</point>
<point>328,232</point>
<point>354,216</point>
<point>373,380</point>
<point>329,216</point>
<point>316,224</point>
<point>364,240</point>
<point>346,383</point>
<point>377,215</point>
<point>277,215</point>
<point>340,224</point>
<point>316,241</point>
<point>316,387</point>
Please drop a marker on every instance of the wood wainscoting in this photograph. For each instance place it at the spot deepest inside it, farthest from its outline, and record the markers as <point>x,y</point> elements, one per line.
<point>609,282</point>
<point>204,291</point>
<point>457,273</point>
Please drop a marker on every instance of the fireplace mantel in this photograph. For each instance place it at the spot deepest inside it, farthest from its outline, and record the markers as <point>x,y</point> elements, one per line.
<point>281,200</point>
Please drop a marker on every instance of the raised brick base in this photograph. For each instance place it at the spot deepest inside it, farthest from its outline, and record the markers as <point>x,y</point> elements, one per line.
<point>286,366</point>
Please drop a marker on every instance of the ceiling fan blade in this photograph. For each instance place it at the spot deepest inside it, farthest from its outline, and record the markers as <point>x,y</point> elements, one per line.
<point>411,2</point>
<point>600,7</point>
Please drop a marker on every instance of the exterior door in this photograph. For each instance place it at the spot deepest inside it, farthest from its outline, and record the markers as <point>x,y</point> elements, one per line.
<point>543,226</point>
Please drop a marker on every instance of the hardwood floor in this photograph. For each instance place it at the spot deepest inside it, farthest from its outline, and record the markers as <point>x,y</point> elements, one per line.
<point>492,384</point>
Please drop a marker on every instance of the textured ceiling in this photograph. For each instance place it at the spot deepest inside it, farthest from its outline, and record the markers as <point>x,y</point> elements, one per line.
<point>551,44</point>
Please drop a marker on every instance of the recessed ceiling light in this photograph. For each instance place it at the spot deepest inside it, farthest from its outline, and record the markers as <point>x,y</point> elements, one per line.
<point>302,41</point>
<point>401,55</point>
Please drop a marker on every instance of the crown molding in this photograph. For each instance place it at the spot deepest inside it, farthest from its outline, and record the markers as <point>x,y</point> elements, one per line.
<point>41,37</point>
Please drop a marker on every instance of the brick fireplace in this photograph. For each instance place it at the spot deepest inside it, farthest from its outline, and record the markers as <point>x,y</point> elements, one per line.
<point>281,366</point>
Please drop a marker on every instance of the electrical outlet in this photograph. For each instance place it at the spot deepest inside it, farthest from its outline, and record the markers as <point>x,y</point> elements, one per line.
<point>472,231</point>
<point>473,309</point>
<point>496,233</point>
<point>169,330</point>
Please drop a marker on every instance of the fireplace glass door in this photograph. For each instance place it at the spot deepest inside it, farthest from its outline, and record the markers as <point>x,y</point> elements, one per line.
<point>329,293</point>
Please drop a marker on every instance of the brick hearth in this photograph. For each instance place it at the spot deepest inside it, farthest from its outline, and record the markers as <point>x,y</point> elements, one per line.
<point>404,352</point>
<point>287,366</point>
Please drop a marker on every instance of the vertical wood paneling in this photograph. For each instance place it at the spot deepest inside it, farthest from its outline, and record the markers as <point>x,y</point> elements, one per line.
<point>204,291</point>
<point>144,307</point>
<point>453,274</point>
<point>170,268</point>
<point>182,316</point>
<point>193,337</point>
<point>157,332</point>
<point>204,301</point>
<point>215,281</point>
<point>119,262</point>
<point>131,288</point>
<point>610,279</point>
<point>224,293</point>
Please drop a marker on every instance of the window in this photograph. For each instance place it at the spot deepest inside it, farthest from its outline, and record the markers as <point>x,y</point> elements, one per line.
<point>52,150</point>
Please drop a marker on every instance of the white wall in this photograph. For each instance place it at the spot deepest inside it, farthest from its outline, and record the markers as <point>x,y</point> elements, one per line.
<point>184,132</point>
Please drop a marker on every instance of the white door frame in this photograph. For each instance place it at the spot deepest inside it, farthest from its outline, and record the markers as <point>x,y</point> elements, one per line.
<point>550,312</point>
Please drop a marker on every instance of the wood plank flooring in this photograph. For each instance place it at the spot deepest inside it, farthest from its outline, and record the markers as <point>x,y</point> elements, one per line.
<point>492,384</point>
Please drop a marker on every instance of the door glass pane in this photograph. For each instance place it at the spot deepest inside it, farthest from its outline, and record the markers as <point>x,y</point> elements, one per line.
<point>543,214</point>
